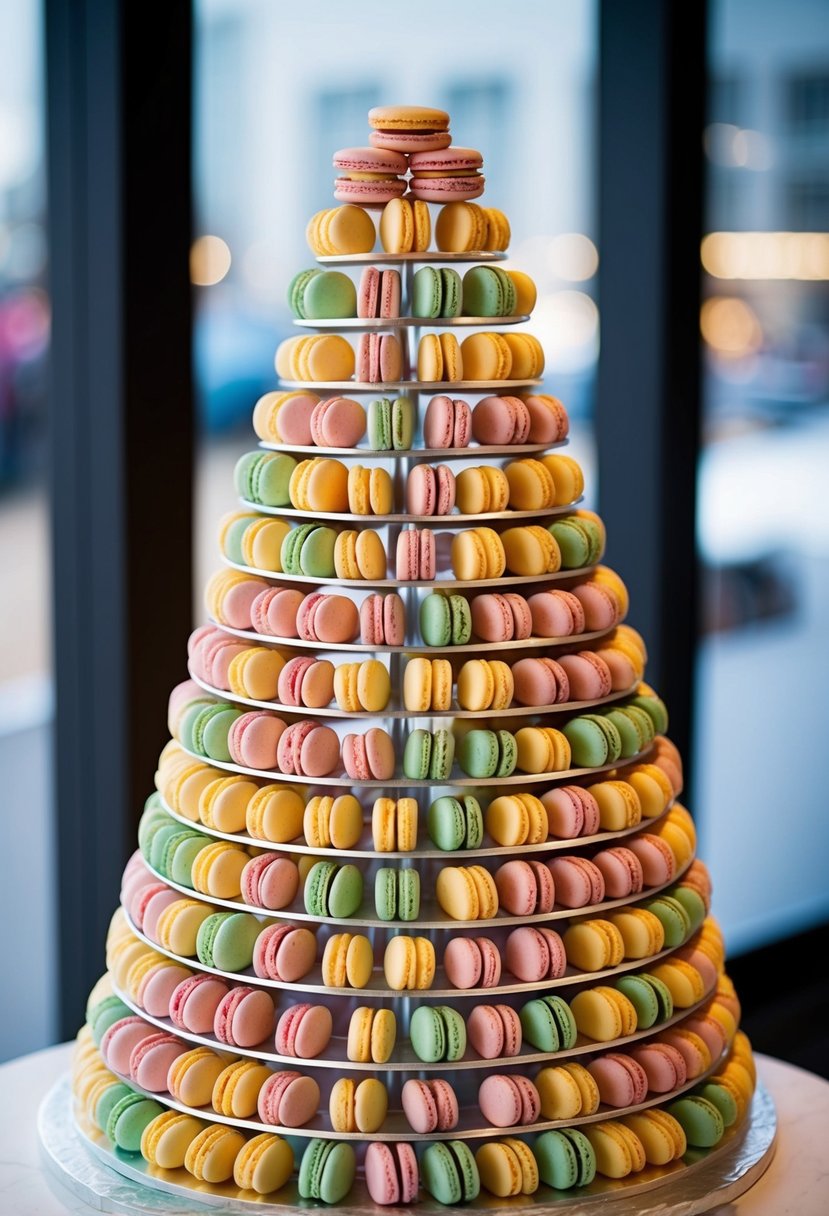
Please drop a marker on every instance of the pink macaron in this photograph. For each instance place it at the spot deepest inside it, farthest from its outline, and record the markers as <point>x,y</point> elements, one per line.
<point>601,610</point>
<point>525,887</point>
<point>288,1099</point>
<point>494,1030</point>
<point>540,681</point>
<point>382,620</point>
<point>507,1101</point>
<point>137,900</point>
<point>236,604</point>
<point>447,423</point>
<point>430,491</point>
<point>416,557</point>
<point>304,1031</point>
<point>379,359</point>
<point>392,1176</point>
<point>472,962</point>
<point>571,811</point>
<point>369,757</point>
<point>308,749</point>
<point>244,1017</point>
<point>657,861</point>
<point>253,739</point>
<point>556,614</point>
<point>193,1003</point>
<point>621,1080</point>
<point>532,954</point>
<point>664,1066</point>
<point>578,882</point>
<point>119,1040</point>
<point>284,952</point>
<point>430,1105</point>
<point>153,909</point>
<point>370,176</point>
<point>270,881</point>
<point>274,612</point>
<point>338,422</point>
<point>710,1031</point>
<point>462,180</point>
<point>157,986</point>
<point>378,294</point>
<point>548,419</point>
<point>150,1061</point>
<point>499,421</point>
<point>621,870</point>
<point>589,676</point>
<point>293,420</point>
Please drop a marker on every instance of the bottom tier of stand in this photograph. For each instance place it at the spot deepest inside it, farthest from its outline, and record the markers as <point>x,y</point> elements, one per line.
<point>110,1180</point>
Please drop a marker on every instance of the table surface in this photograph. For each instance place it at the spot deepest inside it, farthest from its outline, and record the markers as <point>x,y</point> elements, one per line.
<point>797,1181</point>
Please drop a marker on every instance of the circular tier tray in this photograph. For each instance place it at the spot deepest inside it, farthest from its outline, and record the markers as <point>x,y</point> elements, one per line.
<point>406,783</point>
<point>430,521</point>
<point>442,582</point>
<point>474,451</point>
<point>428,851</point>
<point>404,1058</point>
<point>367,323</point>
<point>476,648</point>
<point>426,257</point>
<point>432,916</point>
<point>413,386</point>
<point>376,987</point>
<point>397,1127</point>
<point>87,1163</point>
<point>342,715</point>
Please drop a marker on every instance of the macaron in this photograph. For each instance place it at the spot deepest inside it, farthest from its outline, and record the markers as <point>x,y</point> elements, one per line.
<point>437,1033</point>
<point>327,1170</point>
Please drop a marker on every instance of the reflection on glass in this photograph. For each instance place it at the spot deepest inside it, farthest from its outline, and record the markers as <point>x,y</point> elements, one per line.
<point>763,525</point>
<point>278,91</point>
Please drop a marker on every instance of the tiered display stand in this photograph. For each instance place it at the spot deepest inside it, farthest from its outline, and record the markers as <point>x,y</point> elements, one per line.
<point>702,1180</point>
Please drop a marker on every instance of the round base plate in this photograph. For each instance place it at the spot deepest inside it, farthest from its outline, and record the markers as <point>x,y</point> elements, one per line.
<point>111,1181</point>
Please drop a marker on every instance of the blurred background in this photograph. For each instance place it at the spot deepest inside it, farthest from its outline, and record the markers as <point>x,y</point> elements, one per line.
<point>274,95</point>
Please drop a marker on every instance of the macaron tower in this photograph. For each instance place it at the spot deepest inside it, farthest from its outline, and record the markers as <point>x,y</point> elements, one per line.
<point>416,908</point>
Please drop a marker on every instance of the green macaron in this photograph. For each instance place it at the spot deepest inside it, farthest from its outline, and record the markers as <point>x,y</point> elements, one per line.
<point>629,732</point>
<point>538,1026</point>
<point>108,1100</point>
<point>427,293</point>
<point>479,753</point>
<point>720,1097</point>
<point>662,992</point>
<point>397,893</point>
<point>105,1013</point>
<point>437,1033</point>
<point>487,293</point>
<point>417,753</point>
<point>328,296</point>
<point>446,824</point>
<point>379,425</point>
<point>451,292</point>
<point>128,1118</point>
<point>210,729</point>
<point>316,553</point>
<point>402,424</point>
<point>693,904</point>
<point>699,1119</point>
<point>612,736</point>
<point>565,1159</point>
<point>296,291</point>
<point>445,620</point>
<point>179,855</point>
<point>327,1170</point>
<point>673,918</point>
<point>291,545</point>
<point>225,940</point>
<point>442,756</point>
<point>588,742</point>
<point>264,478</point>
<point>655,708</point>
<point>642,997</point>
<point>449,1173</point>
<point>232,539</point>
<point>474,817</point>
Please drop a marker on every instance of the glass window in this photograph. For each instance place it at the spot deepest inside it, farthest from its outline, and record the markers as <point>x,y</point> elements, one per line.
<point>25,621</point>
<point>762,525</point>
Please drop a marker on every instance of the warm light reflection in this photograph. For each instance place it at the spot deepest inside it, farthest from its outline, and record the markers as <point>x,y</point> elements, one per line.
<point>209,261</point>
<point>766,255</point>
<point>730,327</point>
<point>567,324</point>
<point>573,257</point>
